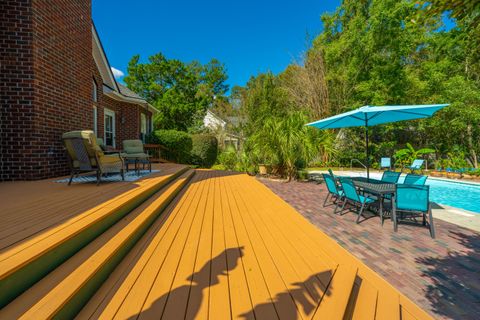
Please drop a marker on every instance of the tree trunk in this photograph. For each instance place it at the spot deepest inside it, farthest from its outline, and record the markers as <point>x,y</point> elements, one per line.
<point>471,147</point>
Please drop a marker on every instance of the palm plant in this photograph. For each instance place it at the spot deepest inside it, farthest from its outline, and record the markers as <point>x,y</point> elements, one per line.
<point>285,142</point>
<point>405,157</point>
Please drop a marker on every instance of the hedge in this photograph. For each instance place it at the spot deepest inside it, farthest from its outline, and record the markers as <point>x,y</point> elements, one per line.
<point>204,150</point>
<point>178,143</point>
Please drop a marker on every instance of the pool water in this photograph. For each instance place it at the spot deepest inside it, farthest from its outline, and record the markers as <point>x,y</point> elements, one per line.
<point>454,194</point>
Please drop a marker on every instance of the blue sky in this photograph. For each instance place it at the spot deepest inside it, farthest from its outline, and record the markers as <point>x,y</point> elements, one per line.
<point>248,36</point>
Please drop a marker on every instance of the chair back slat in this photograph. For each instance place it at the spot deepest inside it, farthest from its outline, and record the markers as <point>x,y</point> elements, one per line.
<point>415,179</point>
<point>330,182</point>
<point>81,154</point>
<point>411,197</point>
<point>349,189</point>
<point>391,176</point>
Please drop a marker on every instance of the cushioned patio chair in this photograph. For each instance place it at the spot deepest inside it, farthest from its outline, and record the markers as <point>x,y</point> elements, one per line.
<point>416,164</point>
<point>101,144</point>
<point>352,196</point>
<point>412,201</point>
<point>416,179</point>
<point>86,155</point>
<point>133,152</point>
<point>333,191</point>
<point>391,176</point>
<point>385,163</point>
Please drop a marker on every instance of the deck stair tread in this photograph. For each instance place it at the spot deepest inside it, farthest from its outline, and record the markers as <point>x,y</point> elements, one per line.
<point>62,241</point>
<point>47,297</point>
<point>334,302</point>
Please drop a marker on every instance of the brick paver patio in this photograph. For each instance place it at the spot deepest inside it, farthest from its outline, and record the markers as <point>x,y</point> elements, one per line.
<point>441,275</point>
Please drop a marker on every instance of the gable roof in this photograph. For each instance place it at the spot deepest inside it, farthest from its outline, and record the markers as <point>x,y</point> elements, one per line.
<point>128,93</point>
<point>111,87</point>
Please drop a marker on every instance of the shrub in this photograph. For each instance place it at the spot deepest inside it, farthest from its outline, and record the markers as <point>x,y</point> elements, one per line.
<point>228,158</point>
<point>178,143</point>
<point>204,150</point>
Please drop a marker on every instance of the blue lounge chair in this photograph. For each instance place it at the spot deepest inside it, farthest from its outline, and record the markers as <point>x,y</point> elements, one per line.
<point>385,163</point>
<point>416,164</point>
<point>391,176</point>
<point>415,179</point>
<point>333,190</point>
<point>413,200</point>
<point>352,196</point>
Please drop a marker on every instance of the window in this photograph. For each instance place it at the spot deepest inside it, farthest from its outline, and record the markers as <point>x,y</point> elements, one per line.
<point>95,120</point>
<point>94,93</point>
<point>109,127</point>
<point>143,126</point>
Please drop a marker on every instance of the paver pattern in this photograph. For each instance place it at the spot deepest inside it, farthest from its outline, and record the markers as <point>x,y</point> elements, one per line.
<point>441,275</point>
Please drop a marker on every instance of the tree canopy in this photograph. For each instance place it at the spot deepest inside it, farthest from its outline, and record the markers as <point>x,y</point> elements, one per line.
<point>181,91</point>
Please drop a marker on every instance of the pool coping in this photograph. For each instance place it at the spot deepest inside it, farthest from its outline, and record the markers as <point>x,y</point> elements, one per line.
<point>461,217</point>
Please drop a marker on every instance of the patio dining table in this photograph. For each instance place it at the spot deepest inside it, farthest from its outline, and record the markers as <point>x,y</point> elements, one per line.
<point>378,188</point>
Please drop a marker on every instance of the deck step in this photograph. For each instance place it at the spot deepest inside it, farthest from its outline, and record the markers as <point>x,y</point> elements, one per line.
<point>27,263</point>
<point>335,300</point>
<point>64,291</point>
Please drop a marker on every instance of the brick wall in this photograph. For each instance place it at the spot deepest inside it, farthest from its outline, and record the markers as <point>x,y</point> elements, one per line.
<point>63,79</point>
<point>16,87</point>
<point>48,84</point>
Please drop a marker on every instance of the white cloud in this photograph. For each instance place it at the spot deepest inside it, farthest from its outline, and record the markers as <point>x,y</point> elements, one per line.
<point>117,73</point>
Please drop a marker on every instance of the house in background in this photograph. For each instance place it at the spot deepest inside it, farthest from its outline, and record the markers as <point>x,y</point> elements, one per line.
<point>54,78</point>
<point>221,129</point>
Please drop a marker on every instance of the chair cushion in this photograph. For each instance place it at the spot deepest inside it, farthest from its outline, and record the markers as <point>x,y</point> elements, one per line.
<point>134,155</point>
<point>110,159</point>
<point>133,146</point>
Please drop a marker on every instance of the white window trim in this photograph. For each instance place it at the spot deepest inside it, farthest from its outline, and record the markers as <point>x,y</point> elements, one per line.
<point>112,114</point>
<point>95,120</point>
<point>95,92</point>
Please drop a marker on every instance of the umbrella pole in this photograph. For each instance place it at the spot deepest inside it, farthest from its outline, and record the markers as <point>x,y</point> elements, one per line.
<point>367,152</point>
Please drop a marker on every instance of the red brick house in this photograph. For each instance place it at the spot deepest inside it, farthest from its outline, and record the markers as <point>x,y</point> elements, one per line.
<point>54,78</point>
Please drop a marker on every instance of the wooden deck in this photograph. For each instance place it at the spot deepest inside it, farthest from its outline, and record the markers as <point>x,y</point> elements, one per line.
<point>226,247</point>
<point>28,208</point>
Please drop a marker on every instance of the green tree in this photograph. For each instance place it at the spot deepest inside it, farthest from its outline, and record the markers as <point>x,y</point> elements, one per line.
<point>181,91</point>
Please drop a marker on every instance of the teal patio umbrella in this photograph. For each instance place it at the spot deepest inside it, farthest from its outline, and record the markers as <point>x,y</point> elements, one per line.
<point>368,116</point>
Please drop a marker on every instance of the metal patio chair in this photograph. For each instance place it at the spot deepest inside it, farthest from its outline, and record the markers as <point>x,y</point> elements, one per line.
<point>416,179</point>
<point>412,201</point>
<point>333,191</point>
<point>391,176</point>
<point>85,155</point>
<point>352,196</point>
<point>416,164</point>
<point>385,163</point>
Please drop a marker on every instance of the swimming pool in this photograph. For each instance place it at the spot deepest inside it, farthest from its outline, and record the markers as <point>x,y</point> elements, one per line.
<point>454,194</point>
<point>460,195</point>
